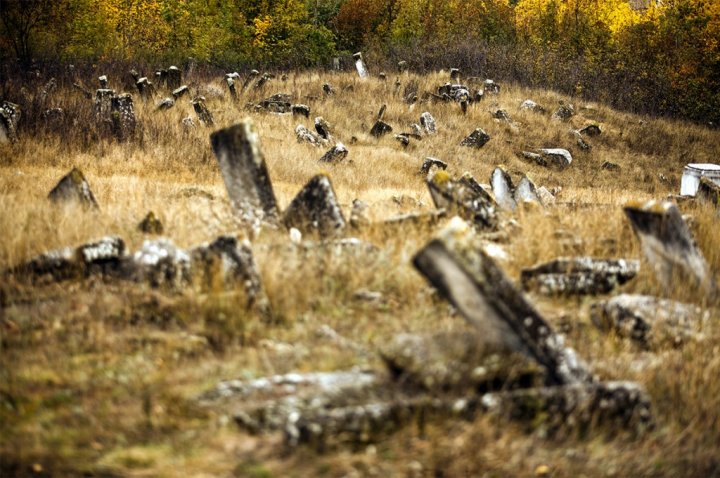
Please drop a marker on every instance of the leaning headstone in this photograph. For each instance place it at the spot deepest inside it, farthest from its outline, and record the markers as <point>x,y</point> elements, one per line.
<point>360,65</point>
<point>476,139</point>
<point>9,117</point>
<point>525,192</point>
<point>180,91</point>
<point>202,111</point>
<point>456,265</point>
<point>428,122</point>
<point>73,188</point>
<point>579,275</point>
<point>502,187</point>
<point>322,127</point>
<point>648,320</point>
<point>335,154</point>
<point>230,79</point>
<point>174,77</point>
<point>123,116</point>
<point>251,76</point>
<point>669,247</point>
<point>315,209</point>
<point>151,224</point>
<point>430,163</point>
<point>246,177</point>
<point>304,135</point>
<point>380,128</point>
<point>460,197</point>
<point>161,77</point>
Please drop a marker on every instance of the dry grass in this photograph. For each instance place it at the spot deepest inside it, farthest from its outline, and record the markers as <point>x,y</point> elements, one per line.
<point>99,378</point>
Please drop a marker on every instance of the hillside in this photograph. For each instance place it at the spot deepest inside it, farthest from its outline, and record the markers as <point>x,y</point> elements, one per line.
<point>101,376</point>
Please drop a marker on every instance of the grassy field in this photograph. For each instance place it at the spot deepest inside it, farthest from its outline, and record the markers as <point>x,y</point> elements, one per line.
<point>100,378</point>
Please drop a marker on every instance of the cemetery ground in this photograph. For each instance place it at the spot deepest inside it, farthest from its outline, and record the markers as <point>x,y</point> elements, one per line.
<point>103,377</point>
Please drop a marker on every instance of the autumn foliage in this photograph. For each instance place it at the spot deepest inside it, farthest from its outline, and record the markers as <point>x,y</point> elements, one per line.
<point>645,55</point>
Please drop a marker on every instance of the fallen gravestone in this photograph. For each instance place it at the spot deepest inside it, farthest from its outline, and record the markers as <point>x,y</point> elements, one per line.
<point>463,198</point>
<point>315,209</point>
<point>669,247</point>
<point>335,154</point>
<point>73,188</point>
<point>579,275</point>
<point>555,158</point>
<point>243,168</point>
<point>648,320</point>
<point>476,139</point>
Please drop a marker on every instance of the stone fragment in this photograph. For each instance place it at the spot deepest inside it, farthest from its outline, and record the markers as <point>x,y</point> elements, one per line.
<point>9,117</point>
<point>202,111</point>
<point>73,188</point>
<point>502,115</point>
<point>456,265</point>
<point>246,177</point>
<point>554,158</point>
<point>669,247</point>
<point>166,104</point>
<point>564,112</point>
<point>315,209</point>
<point>358,214</point>
<point>278,103</point>
<point>490,86</point>
<point>188,123</point>
<point>360,65</point>
<point>322,127</point>
<point>591,130</point>
<point>546,197</point>
<point>502,187</point>
<point>608,166</point>
<point>304,135</point>
<point>648,320</point>
<point>430,163</point>
<point>174,77</point>
<point>335,154</point>
<point>327,89</point>
<point>428,122</point>
<point>476,139</point>
<point>579,275</point>
<point>161,264</point>
<point>532,106</point>
<point>303,110</point>
<point>380,128</point>
<point>180,91</point>
<point>462,198</point>
<point>151,224</point>
<point>525,192</point>
<point>403,139</point>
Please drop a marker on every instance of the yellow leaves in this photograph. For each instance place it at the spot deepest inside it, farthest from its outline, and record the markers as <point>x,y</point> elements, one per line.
<point>262,27</point>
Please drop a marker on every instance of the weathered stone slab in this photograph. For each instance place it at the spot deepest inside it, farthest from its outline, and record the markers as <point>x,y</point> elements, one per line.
<point>202,111</point>
<point>358,214</point>
<point>165,104</point>
<point>322,127</point>
<point>555,158</point>
<point>103,104</point>
<point>73,188</point>
<point>380,128</point>
<point>161,264</point>
<point>590,130</point>
<point>315,209</point>
<point>430,163</point>
<point>246,177</point>
<point>532,106</point>
<point>526,193</point>
<point>428,122</point>
<point>564,112</point>
<point>669,247</point>
<point>146,90</point>
<point>476,139</point>
<point>403,139</point>
<point>9,117</point>
<point>647,320</point>
<point>456,265</point>
<point>278,103</point>
<point>303,110</point>
<point>304,135</point>
<point>360,65</point>
<point>180,91</point>
<point>123,116</point>
<point>489,86</point>
<point>335,154</point>
<point>462,198</point>
<point>173,77</point>
<point>328,89</point>
<point>579,275</point>
<point>502,187</point>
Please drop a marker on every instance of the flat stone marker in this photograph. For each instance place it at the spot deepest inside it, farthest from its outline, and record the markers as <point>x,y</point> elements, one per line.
<point>73,188</point>
<point>246,177</point>
<point>165,104</point>
<point>360,65</point>
<point>579,275</point>
<point>669,247</point>
<point>315,209</point>
<point>456,265</point>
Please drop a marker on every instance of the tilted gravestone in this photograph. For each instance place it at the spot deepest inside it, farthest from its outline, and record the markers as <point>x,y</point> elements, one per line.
<point>202,111</point>
<point>463,198</point>
<point>525,192</point>
<point>246,177</point>
<point>73,187</point>
<point>476,139</point>
<point>428,122</point>
<point>335,154</point>
<point>360,65</point>
<point>315,209</point>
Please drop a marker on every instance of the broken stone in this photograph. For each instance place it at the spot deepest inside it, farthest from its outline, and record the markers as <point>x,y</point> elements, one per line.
<point>202,111</point>
<point>555,158</point>
<point>166,104</point>
<point>502,115</point>
<point>322,127</point>
<point>161,264</point>
<point>525,192</point>
<point>403,139</point>
<point>502,187</point>
<point>608,166</point>
<point>145,88</point>
<point>476,139</point>
<point>428,122</point>
<point>358,215</point>
<point>315,209</point>
<point>591,130</point>
<point>151,224</point>
<point>579,140</point>
<point>327,89</point>
<point>648,320</point>
<point>491,87</point>
<point>9,117</point>
<point>304,135</point>
<point>669,247</point>
<point>463,198</point>
<point>546,197</point>
<point>429,163</point>
<point>278,103</point>
<point>360,65</point>
<point>564,112</point>
<point>579,275</point>
<point>303,110</point>
<point>174,78</point>
<point>380,128</point>
<point>456,265</point>
<point>73,188</point>
<point>335,154</point>
<point>246,177</point>
<point>531,105</point>
<point>180,92</point>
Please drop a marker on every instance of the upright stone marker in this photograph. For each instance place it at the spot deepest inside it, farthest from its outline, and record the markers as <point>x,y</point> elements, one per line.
<point>315,209</point>
<point>174,77</point>
<point>503,189</point>
<point>360,65</point>
<point>123,116</point>
<point>9,116</point>
<point>243,168</point>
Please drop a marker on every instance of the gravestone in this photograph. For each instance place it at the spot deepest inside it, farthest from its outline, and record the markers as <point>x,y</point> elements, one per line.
<point>502,187</point>
<point>564,112</point>
<point>579,275</point>
<point>123,116</point>
<point>315,209</point>
<point>174,77</point>
<point>145,88</point>
<point>335,154</point>
<point>322,127</point>
<point>428,122</point>
<point>430,163</point>
<point>166,104</point>
<point>380,128</point>
<point>476,139</point>
<point>9,117</point>
<point>151,224</point>
<point>304,135</point>
<point>463,198</point>
<point>360,65</point>
<point>180,91</point>
<point>103,104</point>
<point>532,106</point>
<point>202,111</point>
<point>73,188</point>
<point>303,110</point>
<point>246,177</point>
<point>525,192</point>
